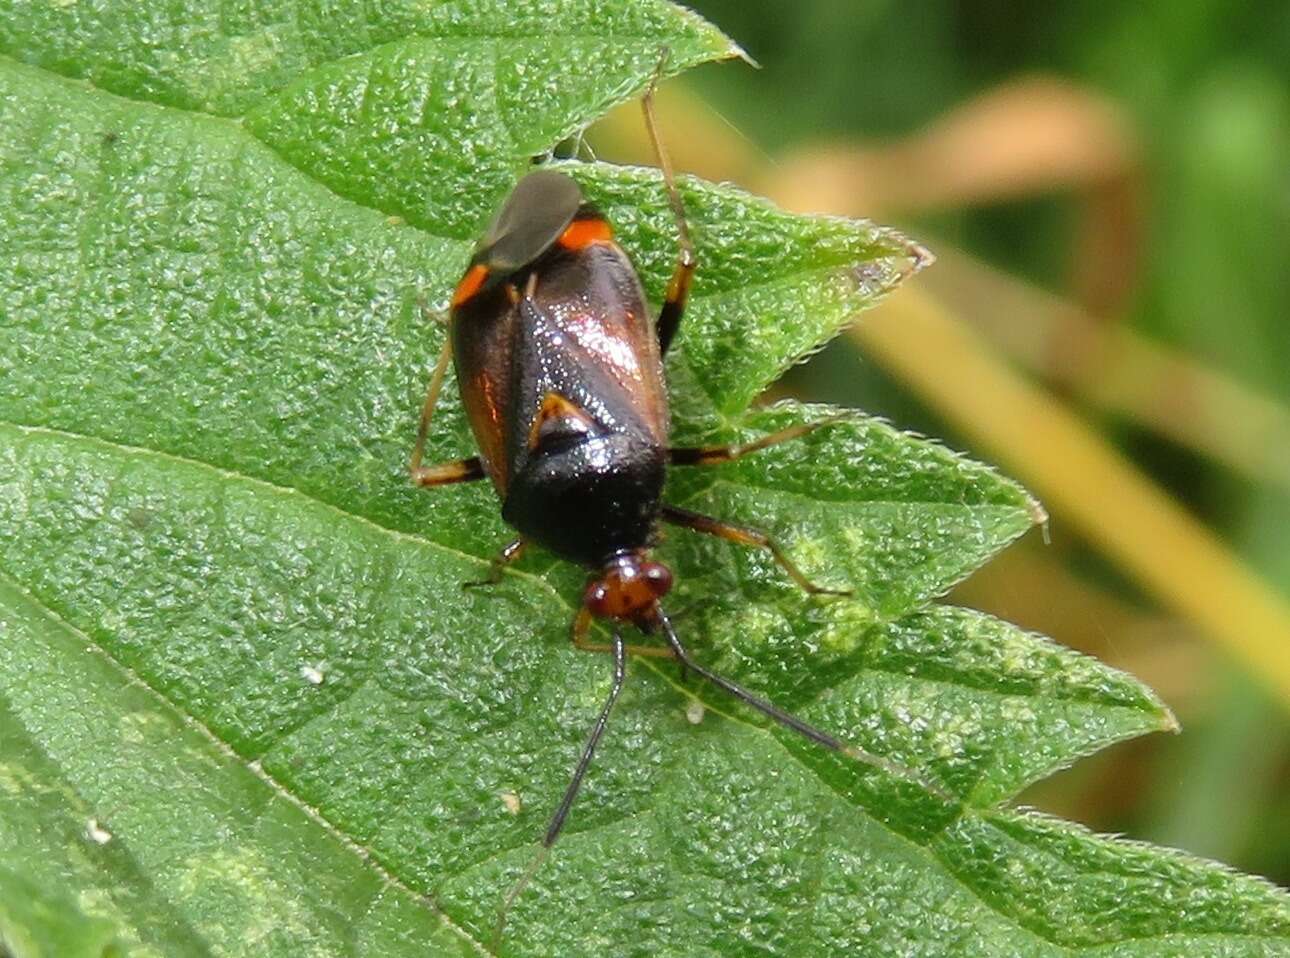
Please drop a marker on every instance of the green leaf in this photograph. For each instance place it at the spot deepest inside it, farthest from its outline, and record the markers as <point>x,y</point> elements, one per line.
<point>245,707</point>
<point>154,837</point>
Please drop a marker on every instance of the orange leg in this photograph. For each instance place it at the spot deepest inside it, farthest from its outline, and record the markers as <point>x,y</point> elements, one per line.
<point>712,455</point>
<point>510,553</point>
<point>445,473</point>
<point>745,537</point>
<point>678,290</point>
<point>582,624</point>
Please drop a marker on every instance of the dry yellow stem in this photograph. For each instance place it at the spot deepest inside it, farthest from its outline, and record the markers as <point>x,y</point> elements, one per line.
<point>1089,484</point>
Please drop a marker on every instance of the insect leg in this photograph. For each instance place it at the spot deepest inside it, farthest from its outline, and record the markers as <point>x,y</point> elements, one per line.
<point>788,720</point>
<point>678,289</point>
<point>584,762</point>
<point>510,553</point>
<point>745,537</point>
<point>446,473</point>
<point>463,470</point>
<point>711,455</point>
<point>582,624</point>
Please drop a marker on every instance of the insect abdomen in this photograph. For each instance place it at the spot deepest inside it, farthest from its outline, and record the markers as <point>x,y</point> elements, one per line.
<point>589,500</point>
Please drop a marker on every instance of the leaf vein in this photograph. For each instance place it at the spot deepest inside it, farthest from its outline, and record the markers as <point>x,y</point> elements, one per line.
<point>274,787</point>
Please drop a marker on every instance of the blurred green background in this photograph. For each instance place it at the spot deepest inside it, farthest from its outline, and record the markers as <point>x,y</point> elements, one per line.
<point>1107,188</point>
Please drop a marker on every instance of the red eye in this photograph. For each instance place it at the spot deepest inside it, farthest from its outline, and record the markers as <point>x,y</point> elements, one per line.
<point>659,578</point>
<point>596,599</point>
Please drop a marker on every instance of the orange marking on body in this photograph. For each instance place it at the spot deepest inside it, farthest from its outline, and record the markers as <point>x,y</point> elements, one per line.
<point>582,233</point>
<point>484,411</point>
<point>556,407</point>
<point>470,284</point>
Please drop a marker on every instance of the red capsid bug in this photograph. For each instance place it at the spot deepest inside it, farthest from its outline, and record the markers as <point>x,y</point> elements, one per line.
<point>560,369</point>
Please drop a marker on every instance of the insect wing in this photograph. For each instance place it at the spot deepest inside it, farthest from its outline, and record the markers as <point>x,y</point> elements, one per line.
<point>586,336</point>
<point>483,344</point>
<point>535,214</point>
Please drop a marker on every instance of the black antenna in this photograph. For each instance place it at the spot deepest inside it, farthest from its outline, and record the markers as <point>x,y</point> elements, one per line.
<point>580,771</point>
<point>789,720</point>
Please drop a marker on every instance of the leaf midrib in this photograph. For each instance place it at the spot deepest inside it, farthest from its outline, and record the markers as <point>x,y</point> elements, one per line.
<point>291,492</point>
<point>534,578</point>
<point>362,851</point>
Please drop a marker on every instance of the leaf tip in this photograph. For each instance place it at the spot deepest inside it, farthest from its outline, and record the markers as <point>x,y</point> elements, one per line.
<point>735,52</point>
<point>920,257</point>
<point>720,46</point>
<point>899,259</point>
<point>1165,720</point>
